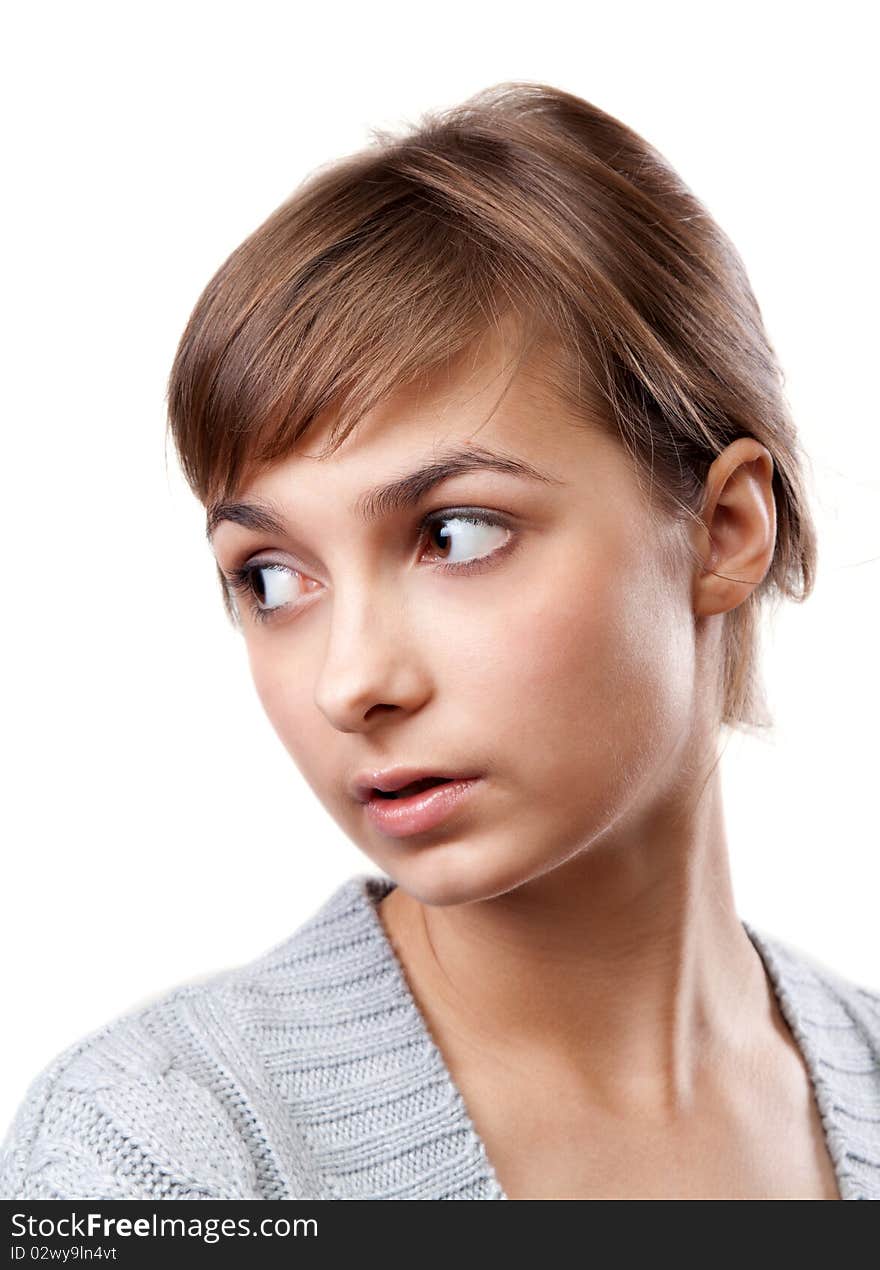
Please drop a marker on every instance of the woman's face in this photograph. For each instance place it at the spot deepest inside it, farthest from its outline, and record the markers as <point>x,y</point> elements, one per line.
<point>560,666</point>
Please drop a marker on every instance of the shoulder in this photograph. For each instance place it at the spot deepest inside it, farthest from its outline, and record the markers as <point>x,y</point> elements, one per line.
<point>836,1021</point>
<point>861,1001</point>
<point>121,1113</point>
<point>179,1098</point>
<point>819,989</point>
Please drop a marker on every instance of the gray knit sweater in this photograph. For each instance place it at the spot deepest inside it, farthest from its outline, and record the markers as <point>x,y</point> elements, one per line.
<point>310,1073</point>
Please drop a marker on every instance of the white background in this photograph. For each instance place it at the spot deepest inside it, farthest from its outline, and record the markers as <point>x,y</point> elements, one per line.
<point>154,830</point>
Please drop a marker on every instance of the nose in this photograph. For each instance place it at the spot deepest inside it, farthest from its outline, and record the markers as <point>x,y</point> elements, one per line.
<point>371,665</point>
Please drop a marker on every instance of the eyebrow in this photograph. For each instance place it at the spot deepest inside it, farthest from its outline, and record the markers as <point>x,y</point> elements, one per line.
<point>383,500</point>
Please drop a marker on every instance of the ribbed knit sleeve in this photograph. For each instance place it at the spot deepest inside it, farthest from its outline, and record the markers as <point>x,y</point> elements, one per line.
<point>114,1117</point>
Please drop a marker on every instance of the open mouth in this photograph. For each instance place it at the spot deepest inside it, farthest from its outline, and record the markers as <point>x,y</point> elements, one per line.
<point>415,787</point>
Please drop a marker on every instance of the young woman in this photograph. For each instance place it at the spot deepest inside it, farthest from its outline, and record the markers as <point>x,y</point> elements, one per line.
<point>498,476</point>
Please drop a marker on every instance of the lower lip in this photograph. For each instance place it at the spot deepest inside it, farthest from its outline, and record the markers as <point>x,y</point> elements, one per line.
<point>400,817</point>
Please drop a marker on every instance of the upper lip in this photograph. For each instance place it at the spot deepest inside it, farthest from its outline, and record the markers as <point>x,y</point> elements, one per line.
<point>392,778</point>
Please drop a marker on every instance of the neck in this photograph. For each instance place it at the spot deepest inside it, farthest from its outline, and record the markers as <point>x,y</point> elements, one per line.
<point>626,969</point>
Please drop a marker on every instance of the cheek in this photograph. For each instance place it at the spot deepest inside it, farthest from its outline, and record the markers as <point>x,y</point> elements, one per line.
<point>287,699</point>
<point>589,669</point>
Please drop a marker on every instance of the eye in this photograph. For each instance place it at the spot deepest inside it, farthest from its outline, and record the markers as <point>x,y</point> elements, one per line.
<point>266,587</point>
<point>466,542</point>
<point>272,588</point>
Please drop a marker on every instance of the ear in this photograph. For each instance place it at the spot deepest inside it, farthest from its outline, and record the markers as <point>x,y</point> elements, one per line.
<point>737,538</point>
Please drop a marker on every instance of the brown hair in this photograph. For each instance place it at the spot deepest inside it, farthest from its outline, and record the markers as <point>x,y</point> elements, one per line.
<point>523,200</point>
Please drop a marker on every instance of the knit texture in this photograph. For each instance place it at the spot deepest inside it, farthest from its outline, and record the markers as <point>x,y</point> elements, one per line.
<point>310,1073</point>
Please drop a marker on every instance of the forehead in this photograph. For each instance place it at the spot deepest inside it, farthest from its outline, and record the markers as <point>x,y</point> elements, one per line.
<point>482,401</point>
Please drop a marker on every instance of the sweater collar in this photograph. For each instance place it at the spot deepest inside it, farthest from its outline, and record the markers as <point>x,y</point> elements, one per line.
<point>380,1116</point>
<point>836,1025</point>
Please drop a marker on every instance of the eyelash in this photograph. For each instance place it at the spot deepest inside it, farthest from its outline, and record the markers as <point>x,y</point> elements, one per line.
<point>240,579</point>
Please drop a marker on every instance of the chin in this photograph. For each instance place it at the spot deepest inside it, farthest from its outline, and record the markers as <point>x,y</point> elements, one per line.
<point>461,876</point>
